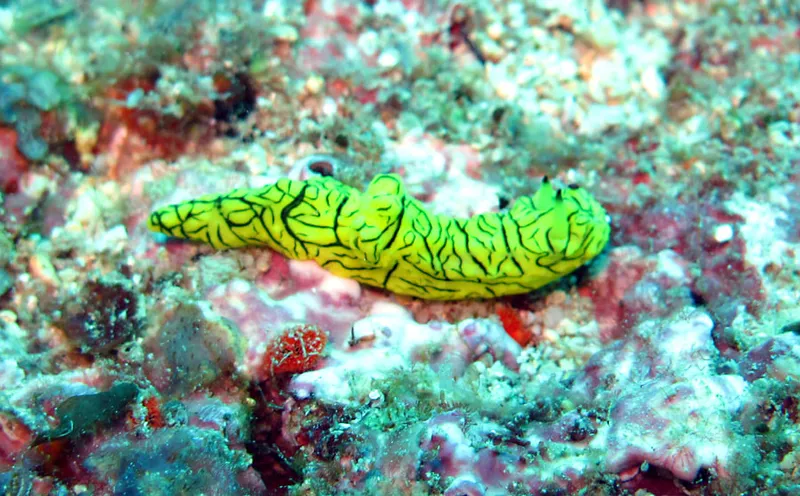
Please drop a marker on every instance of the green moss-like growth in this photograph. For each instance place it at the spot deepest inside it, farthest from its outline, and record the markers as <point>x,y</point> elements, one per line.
<point>6,244</point>
<point>194,349</point>
<point>26,92</point>
<point>30,15</point>
<point>82,415</point>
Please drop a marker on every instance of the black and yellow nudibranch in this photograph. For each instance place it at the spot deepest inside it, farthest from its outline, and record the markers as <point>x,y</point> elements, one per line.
<point>386,238</point>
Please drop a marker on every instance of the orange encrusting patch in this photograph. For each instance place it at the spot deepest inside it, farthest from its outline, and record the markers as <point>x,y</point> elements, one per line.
<point>12,163</point>
<point>154,417</point>
<point>513,325</point>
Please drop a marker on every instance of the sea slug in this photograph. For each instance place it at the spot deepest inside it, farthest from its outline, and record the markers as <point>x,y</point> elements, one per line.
<point>386,238</point>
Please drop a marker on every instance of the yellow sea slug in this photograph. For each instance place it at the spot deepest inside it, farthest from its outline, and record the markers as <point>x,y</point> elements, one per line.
<point>384,237</point>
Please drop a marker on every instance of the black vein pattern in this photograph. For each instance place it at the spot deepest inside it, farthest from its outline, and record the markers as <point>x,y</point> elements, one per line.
<point>386,238</point>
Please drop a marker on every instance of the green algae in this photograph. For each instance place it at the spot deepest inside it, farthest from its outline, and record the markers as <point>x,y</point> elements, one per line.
<point>82,415</point>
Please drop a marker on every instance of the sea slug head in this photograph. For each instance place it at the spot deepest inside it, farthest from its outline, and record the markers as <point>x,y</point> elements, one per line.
<point>566,228</point>
<point>589,224</point>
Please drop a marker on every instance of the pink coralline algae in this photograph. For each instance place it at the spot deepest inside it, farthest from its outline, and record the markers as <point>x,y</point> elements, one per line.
<point>723,280</point>
<point>671,419</point>
<point>668,406</point>
<point>777,357</point>
<point>390,339</point>
<point>631,285</point>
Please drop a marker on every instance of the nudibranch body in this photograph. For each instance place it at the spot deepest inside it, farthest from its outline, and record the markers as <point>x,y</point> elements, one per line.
<point>386,238</point>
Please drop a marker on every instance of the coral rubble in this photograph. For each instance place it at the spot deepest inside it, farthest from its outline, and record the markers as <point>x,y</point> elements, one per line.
<point>135,364</point>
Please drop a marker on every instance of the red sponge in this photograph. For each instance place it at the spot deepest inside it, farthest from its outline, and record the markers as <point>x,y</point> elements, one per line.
<point>295,350</point>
